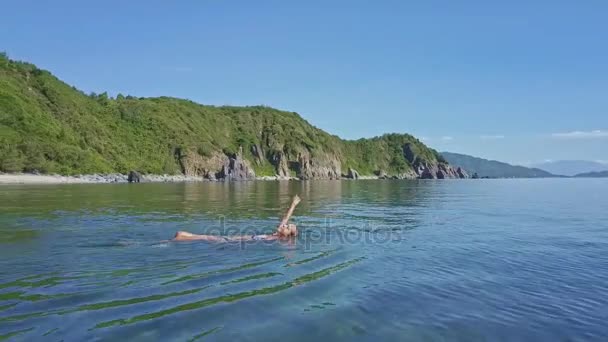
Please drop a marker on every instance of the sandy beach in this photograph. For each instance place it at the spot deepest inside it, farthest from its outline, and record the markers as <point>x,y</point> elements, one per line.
<point>40,179</point>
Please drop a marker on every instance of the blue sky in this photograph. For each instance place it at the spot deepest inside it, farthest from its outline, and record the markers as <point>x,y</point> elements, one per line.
<point>519,81</point>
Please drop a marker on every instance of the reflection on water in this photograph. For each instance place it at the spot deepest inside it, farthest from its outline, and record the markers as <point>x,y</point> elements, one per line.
<point>235,199</point>
<point>390,260</point>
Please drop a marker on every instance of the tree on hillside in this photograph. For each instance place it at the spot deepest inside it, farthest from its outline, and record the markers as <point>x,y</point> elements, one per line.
<point>4,57</point>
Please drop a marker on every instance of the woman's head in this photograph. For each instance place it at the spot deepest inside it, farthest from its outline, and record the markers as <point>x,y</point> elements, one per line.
<point>287,230</point>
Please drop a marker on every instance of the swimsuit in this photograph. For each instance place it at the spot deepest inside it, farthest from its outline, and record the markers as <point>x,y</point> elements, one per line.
<point>259,237</point>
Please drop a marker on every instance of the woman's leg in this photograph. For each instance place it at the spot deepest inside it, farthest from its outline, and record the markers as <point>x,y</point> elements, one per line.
<point>186,236</point>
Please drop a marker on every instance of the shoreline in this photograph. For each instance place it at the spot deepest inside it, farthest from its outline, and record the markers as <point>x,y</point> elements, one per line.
<point>116,178</point>
<point>29,178</point>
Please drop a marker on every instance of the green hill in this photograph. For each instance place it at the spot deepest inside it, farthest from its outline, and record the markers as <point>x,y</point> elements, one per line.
<point>492,168</point>
<point>49,126</point>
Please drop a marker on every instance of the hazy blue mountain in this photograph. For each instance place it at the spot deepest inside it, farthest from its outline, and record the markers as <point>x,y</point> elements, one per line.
<point>599,174</point>
<point>492,168</point>
<point>571,167</point>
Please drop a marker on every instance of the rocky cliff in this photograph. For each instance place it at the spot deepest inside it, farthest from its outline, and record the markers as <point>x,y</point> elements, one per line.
<point>433,169</point>
<point>306,167</point>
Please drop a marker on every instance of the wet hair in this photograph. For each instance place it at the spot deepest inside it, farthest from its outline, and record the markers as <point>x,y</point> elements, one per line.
<point>288,230</point>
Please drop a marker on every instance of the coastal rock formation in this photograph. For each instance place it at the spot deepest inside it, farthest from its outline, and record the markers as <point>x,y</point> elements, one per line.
<point>258,154</point>
<point>406,175</point>
<point>134,177</point>
<point>462,173</point>
<point>194,165</point>
<point>279,160</point>
<point>218,166</point>
<point>428,170</point>
<point>352,174</point>
<point>439,171</point>
<point>321,167</point>
<point>237,169</point>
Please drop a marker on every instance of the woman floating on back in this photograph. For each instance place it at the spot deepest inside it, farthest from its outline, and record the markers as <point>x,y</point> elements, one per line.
<point>285,230</point>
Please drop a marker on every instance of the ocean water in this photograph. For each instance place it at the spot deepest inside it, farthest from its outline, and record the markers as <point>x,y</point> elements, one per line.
<point>463,260</point>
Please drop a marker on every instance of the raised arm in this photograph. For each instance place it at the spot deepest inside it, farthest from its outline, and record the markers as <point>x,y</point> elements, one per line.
<point>294,203</point>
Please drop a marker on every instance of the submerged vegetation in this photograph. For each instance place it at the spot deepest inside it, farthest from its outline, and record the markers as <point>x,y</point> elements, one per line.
<point>51,127</point>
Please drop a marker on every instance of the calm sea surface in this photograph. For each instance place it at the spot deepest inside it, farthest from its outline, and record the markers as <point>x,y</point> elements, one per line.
<point>470,260</point>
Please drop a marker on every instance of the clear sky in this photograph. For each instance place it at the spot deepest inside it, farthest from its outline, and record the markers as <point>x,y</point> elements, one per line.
<point>519,81</point>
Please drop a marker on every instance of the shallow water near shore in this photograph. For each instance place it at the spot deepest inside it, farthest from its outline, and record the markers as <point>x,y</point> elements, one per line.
<point>384,260</point>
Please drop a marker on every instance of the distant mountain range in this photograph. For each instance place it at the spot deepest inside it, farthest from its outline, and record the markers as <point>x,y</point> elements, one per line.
<point>495,169</point>
<point>599,174</point>
<point>492,168</point>
<point>571,167</point>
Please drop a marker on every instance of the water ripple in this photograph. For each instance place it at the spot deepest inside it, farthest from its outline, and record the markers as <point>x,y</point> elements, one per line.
<point>479,260</point>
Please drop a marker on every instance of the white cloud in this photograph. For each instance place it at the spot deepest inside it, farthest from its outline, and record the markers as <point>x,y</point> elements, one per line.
<point>447,138</point>
<point>491,137</point>
<point>596,134</point>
